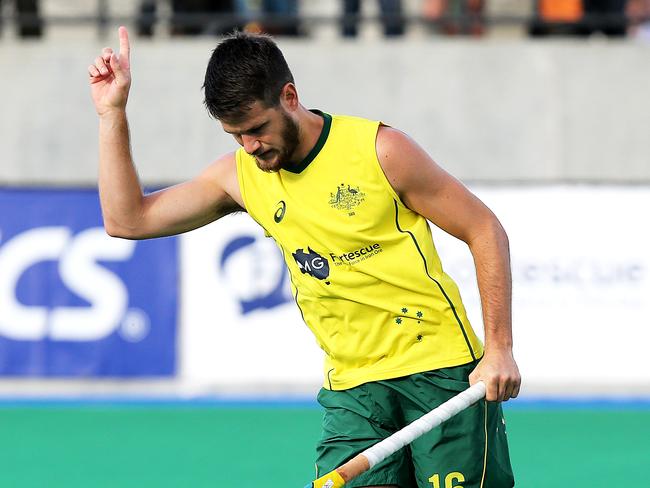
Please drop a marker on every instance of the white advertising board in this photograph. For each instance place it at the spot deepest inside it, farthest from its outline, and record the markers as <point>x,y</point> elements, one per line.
<point>581,300</point>
<point>240,325</point>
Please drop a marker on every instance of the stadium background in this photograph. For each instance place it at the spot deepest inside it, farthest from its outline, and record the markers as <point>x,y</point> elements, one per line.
<point>182,362</point>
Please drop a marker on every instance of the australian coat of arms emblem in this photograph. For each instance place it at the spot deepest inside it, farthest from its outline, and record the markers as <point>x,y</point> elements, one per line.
<point>346,197</point>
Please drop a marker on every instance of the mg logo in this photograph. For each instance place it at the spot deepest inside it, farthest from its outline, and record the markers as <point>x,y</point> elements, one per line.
<point>312,263</point>
<point>76,258</point>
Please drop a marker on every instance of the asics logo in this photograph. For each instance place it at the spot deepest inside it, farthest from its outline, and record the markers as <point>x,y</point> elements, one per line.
<point>281,208</point>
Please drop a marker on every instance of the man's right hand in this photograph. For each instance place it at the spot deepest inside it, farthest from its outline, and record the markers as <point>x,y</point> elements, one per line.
<point>110,77</point>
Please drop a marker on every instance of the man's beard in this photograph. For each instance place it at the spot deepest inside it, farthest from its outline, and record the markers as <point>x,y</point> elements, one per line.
<point>290,140</point>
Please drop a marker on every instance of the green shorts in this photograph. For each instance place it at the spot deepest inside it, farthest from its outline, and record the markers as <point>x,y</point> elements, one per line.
<point>468,451</point>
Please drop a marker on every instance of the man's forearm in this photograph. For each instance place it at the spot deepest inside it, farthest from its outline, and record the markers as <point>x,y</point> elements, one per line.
<point>492,260</point>
<point>119,188</point>
<point>498,369</point>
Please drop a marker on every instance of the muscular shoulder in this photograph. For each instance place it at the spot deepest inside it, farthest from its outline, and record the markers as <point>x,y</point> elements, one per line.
<point>404,162</point>
<point>222,174</point>
<point>428,189</point>
<point>222,168</point>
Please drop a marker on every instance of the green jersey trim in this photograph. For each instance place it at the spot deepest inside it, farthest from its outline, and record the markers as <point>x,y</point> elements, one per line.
<point>426,270</point>
<point>322,139</point>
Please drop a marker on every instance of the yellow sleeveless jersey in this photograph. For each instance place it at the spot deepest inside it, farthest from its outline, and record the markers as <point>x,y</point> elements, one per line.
<point>364,270</point>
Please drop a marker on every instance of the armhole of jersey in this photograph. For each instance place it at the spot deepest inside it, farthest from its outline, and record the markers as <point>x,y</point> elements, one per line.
<point>382,175</point>
<point>240,180</point>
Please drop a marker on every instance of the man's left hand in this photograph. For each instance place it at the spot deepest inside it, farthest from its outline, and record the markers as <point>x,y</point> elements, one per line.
<point>499,371</point>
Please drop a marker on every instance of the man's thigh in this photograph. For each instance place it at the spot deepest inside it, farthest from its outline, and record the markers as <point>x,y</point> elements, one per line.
<point>469,450</point>
<point>351,425</point>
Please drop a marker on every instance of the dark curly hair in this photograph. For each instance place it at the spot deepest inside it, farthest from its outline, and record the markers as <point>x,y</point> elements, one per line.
<point>244,68</point>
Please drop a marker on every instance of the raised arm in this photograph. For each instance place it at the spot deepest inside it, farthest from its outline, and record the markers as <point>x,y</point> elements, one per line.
<point>127,212</point>
<point>429,190</point>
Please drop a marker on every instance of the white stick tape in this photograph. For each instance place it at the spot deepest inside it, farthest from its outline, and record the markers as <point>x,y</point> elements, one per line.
<point>424,424</point>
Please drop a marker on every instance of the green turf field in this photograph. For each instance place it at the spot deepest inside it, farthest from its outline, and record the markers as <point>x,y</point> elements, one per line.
<point>176,446</point>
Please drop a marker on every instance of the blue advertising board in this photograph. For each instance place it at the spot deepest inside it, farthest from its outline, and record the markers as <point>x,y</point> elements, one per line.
<point>75,302</point>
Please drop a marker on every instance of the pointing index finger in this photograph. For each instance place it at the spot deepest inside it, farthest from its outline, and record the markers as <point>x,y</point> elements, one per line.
<point>124,46</point>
